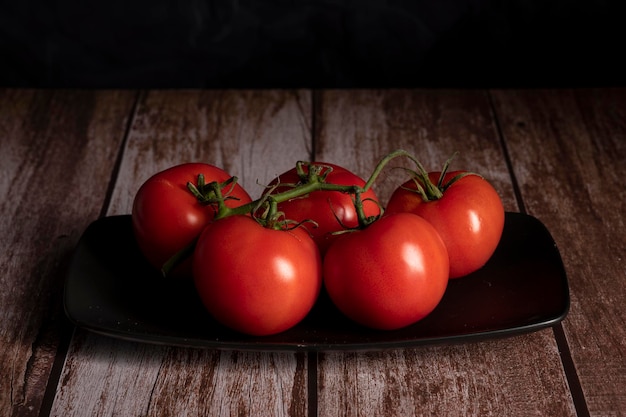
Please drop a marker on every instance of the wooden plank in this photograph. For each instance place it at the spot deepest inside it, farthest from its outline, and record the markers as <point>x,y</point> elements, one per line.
<point>254,135</point>
<point>57,154</point>
<point>514,376</point>
<point>105,376</point>
<point>568,150</point>
<point>487,378</point>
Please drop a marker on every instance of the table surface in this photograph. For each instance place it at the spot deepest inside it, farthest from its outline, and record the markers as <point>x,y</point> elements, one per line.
<point>70,157</point>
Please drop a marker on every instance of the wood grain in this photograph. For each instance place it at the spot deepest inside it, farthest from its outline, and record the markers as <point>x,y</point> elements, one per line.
<point>568,150</point>
<point>62,166</point>
<point>484,379</point>
<point>254,135</point>
<point>57,154</point>
<point>515,376</point>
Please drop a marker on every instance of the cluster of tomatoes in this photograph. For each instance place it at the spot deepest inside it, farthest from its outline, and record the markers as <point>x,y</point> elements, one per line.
<point>259,266</point>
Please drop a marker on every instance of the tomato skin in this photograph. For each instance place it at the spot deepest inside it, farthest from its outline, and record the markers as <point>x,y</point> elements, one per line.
<point>167,217</point>
<point>256,280</point>
<point>389,275</point>
<point>323,206</point>
<point>469,217</point>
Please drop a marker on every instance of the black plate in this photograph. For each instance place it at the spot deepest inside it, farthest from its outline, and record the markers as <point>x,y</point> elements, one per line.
<point>110,289</point>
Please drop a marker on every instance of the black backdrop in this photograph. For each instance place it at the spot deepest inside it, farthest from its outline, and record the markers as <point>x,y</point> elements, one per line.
<point>332,43</point>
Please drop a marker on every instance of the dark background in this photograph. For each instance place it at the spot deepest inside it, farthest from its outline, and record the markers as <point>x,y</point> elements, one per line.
<point>266,44</point>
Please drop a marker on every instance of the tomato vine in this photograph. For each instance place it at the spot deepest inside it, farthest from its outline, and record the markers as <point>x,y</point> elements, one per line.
<point>265,209</point>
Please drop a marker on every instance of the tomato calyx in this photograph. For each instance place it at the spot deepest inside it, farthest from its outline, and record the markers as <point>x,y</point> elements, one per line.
<point>315,172</point>
<point>212,194</point>
<point>428,190</point>
<point>266,213</point>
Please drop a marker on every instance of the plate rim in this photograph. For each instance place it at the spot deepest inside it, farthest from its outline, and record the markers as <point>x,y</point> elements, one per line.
<point>264,344</point>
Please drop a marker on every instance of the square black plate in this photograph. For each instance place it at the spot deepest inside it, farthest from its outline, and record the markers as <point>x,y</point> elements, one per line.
<point>110,289</point>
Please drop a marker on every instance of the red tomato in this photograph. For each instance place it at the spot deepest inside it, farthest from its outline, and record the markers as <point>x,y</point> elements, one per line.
<point>167,217</point>
<point>389,275</point>
<point>256,280</point>
<point>469,217</point>
<point>329,209</point>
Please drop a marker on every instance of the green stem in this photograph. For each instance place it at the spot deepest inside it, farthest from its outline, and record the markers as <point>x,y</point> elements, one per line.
<point>360,212</point>
<point>383,162</point>
<point>178,258</point>
<point>295,192</point>
<point>314,181</point>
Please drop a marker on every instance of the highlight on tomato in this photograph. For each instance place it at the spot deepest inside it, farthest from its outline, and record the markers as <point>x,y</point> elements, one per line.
<point>463,207</point>
<point>167,216</point>
<point>330,210</point>
<point>254,279</point>
<point>388,275</point>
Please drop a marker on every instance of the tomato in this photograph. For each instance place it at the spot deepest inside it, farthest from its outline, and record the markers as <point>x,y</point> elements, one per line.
<point>332,211</point>
<point>167,217</point>
<point>389,275</point>
<point>256,280</point>
<point>469,217</point>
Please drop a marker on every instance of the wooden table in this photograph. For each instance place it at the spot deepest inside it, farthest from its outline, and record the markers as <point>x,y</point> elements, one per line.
<point>70,157</point>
